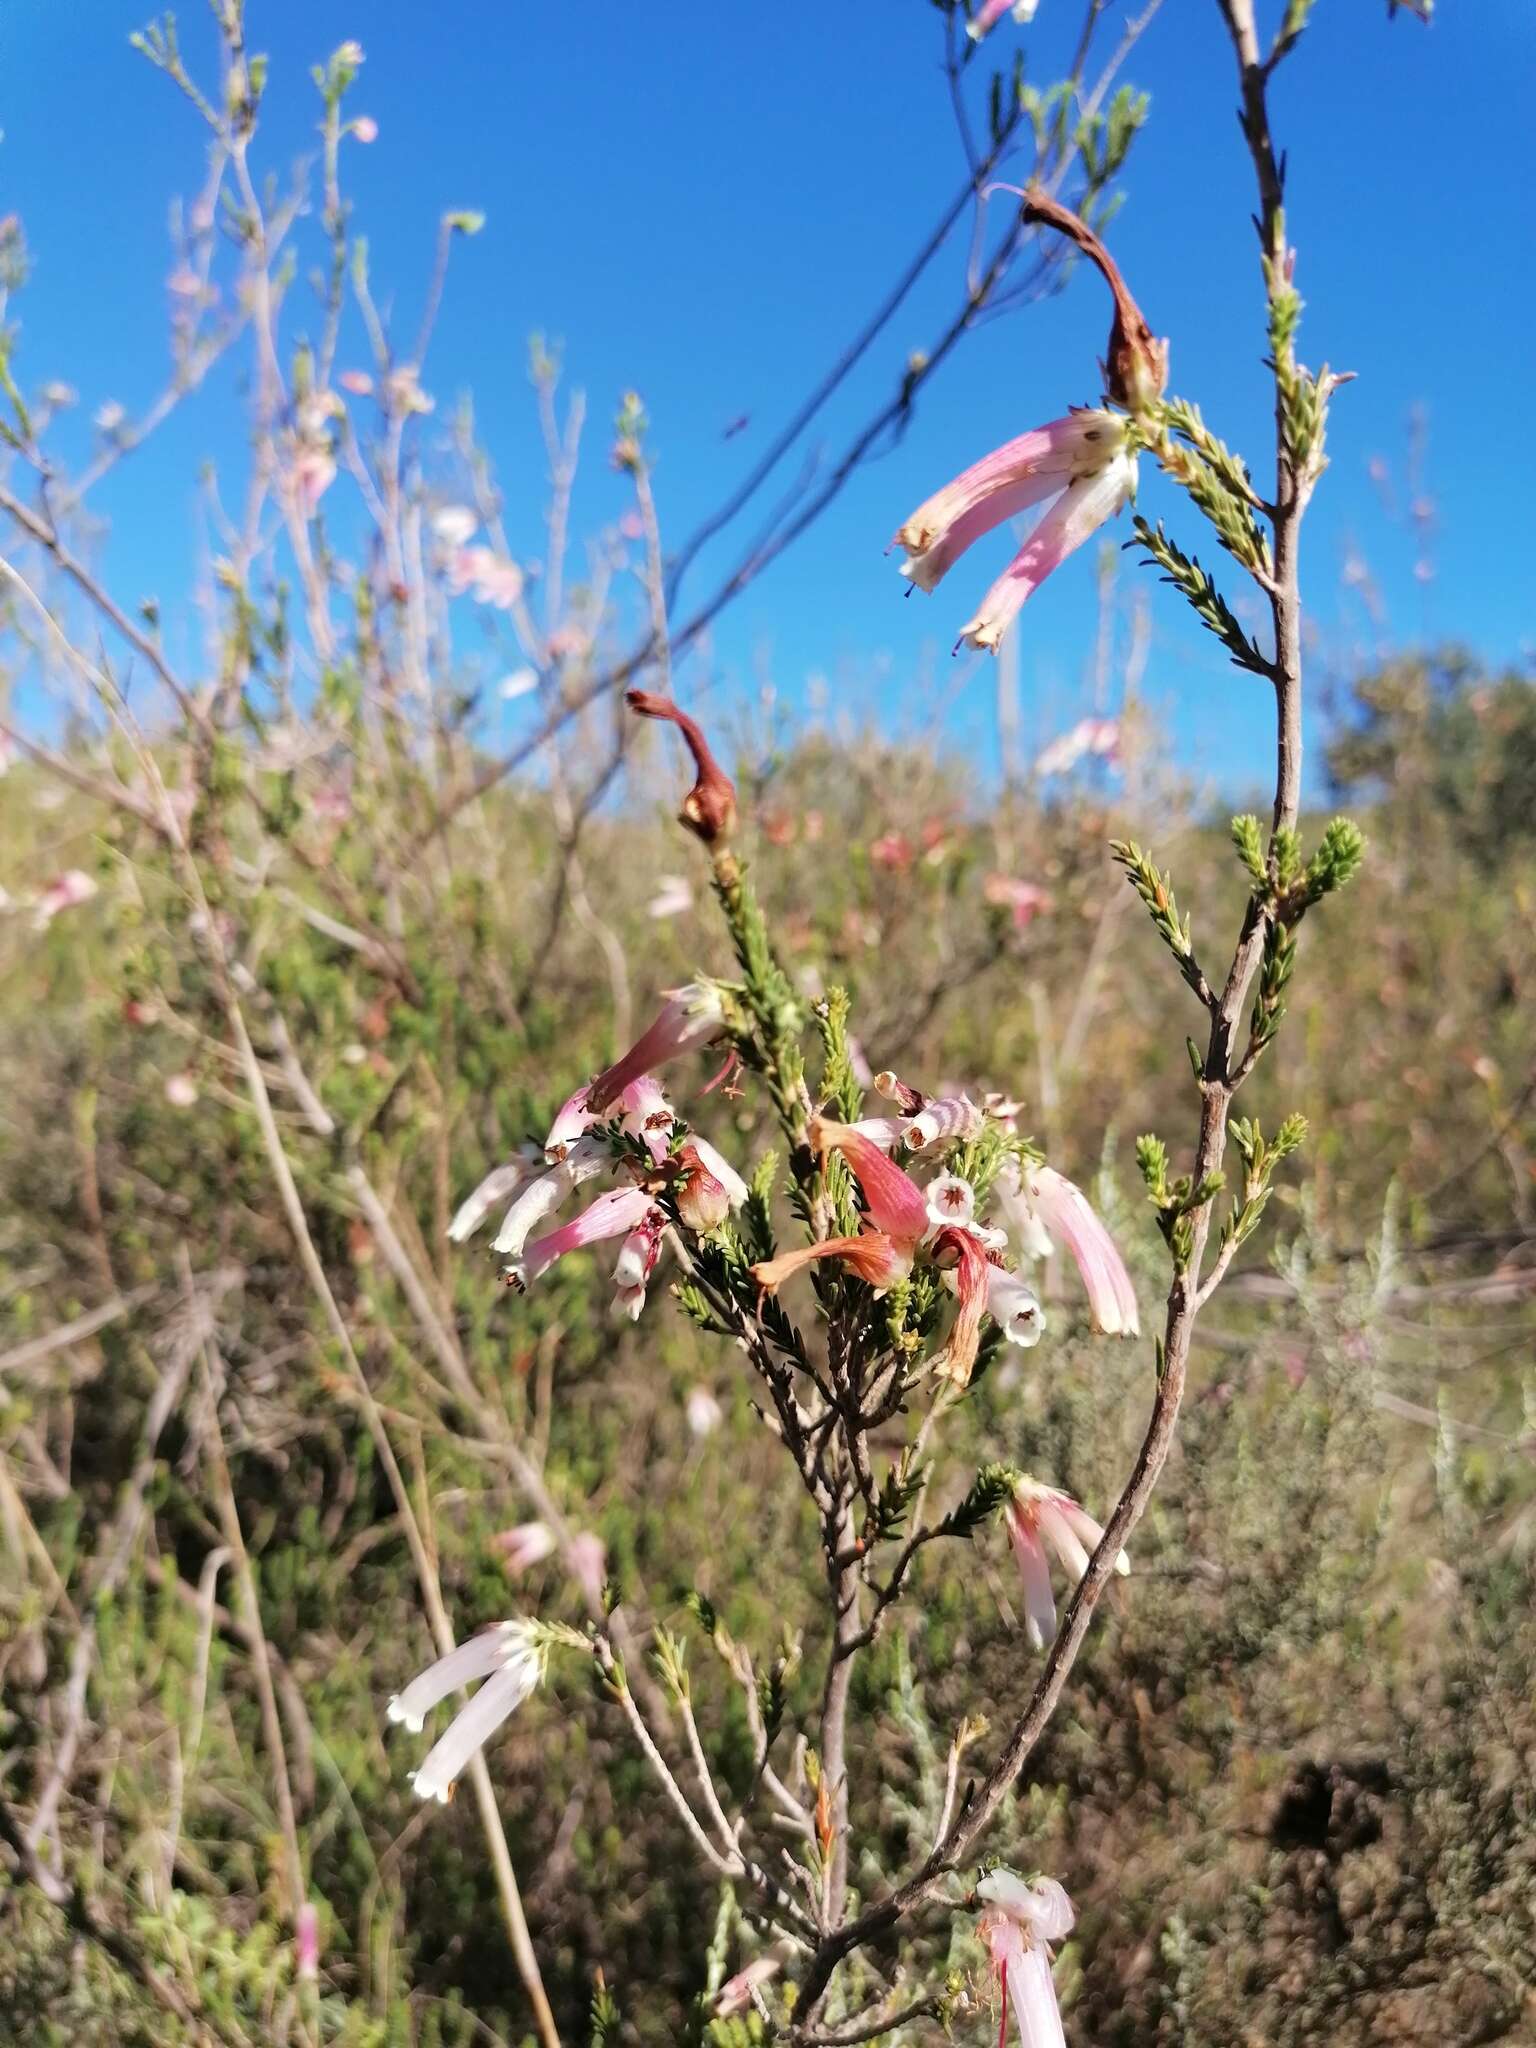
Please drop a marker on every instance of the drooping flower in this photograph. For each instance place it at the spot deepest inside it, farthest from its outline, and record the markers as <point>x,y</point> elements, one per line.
<point>1082,461</point>
<point>1041,1518</point>
<point>636,1263</point>
<point>615,1214</point>
<point>1014,1308</point>
<point>511,1661</point>
<point>492,578</point>
<point>1020,1921</point>
<point>1044,1204</point>
<point>694,1015</point>
<point>644,1113</point>
<point>991,12</point>
<point>454,524</point>
<point>365,128</point>
<point>542,1196</point>
<point>703,1199</point>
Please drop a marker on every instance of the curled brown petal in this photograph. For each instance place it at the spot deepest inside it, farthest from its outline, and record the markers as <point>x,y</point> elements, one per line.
<point>1136,363</point>
<point>709,808</point>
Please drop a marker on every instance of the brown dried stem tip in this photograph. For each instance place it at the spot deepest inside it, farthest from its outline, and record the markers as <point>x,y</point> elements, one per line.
<point>1136,364</point>
<point>709,808</point>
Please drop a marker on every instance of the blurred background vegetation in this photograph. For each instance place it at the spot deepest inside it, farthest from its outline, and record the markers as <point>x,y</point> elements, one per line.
<point>1291,1785</point>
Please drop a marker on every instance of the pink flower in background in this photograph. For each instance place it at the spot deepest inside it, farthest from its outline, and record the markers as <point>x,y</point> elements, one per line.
<point>1083,462</point>
<point>510,1659</point>
<point>1042,1204</point>
<point>525,1546</point>
<point>991,12</point>
<point>893,852</point>
<point>703,1411</point>
<point>452,525</point>
<point>365,128</point>
<point>1041,1519</point>
<point>7,752</point>
<point>1024,901</point>
<point>735,1994</point>
<point>358,382</point>
<point>1020,1921</point>
<point>312,474</point>
<point>1099,737</point>
<point>493,579</point>
<point>674,896</point>
<point>306,1943</point>
<point>65,892</point>
<point>181,1091</point>
<point>694,1015</point>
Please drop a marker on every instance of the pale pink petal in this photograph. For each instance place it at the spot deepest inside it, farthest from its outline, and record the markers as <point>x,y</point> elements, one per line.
<point>1079,512</point>
<point>499,1185</point>
<point>473,1726</point>
<point>1063,1209</point>
<point>693,1016</point>
<point>614,1214</point>
<point>1032,1993</point>
<point>1014,1308</point>
<point>943,1121</point>
<point>723,1171</point>
<point>894,1203</point>
<point>478,1658</point>
<point>1035,1573</point>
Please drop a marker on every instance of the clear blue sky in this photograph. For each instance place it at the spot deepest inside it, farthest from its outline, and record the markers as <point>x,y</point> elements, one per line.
<point>703,200</point>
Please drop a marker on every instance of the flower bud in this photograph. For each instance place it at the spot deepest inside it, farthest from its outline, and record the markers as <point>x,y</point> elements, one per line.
<point>703,1200</point>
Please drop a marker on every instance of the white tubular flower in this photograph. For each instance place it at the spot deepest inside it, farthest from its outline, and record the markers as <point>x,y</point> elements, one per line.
<point>511,1662</point>
<point>541,1197</point>
<point>735,1187</point>
<point>1014,1308</point>
<point>499,1185</point>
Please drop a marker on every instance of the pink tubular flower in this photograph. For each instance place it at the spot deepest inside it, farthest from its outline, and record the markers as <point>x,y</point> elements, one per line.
<point>365,128</point>
<point>614,1214</point>
<point>306,1943</point>
<point>542,1196</point>
<point>1024,901</point>
<point>66,892</point>
<point>525,1546</point>
<point>1063,1211</point>
<point>991,12</point>
<point>694,1015</point>
<point>1019,1922</point>
<point>511,1660</point>
<point>1099,737</point>
<point>1039,1519</point>
<point>1082,461</point>
<point>636,1263</point>
<point>878,1260</point>
<point>894,1203</point>
<point>703,1200</point>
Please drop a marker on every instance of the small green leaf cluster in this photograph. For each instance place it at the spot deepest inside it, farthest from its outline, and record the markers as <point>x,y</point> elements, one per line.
<point>1177,1200</point>
<point>1198,589</point>
<point>1156,891</point>
<point>991,1490</point>
<point>1260,1158</point>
